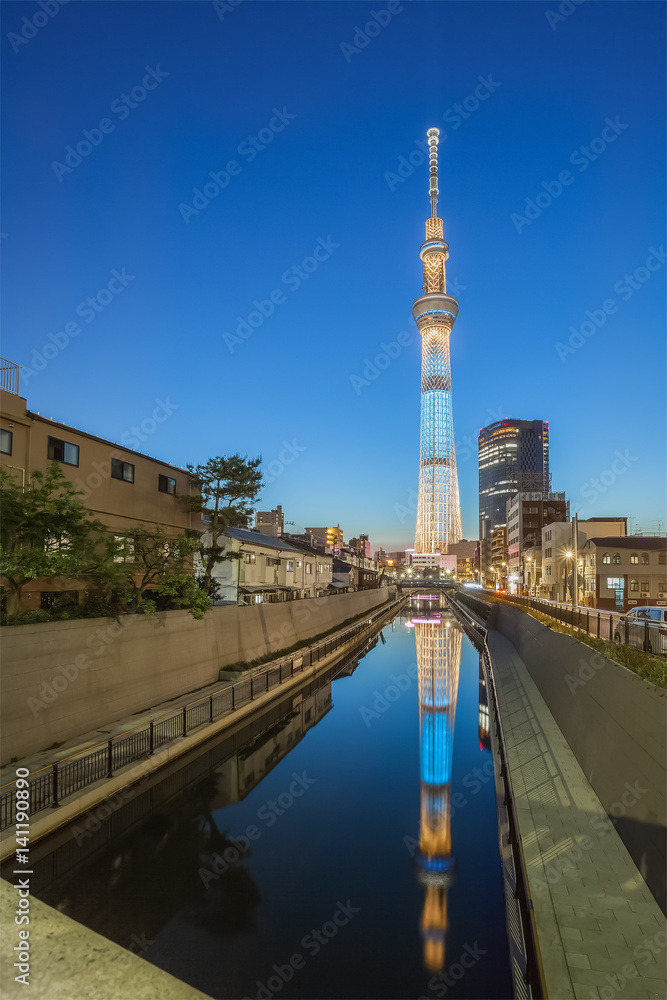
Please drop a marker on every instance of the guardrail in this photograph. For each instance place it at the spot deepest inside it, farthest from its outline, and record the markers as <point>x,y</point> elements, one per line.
<point>526,960</point>
<point>54,782</point>
<point>649,636</point>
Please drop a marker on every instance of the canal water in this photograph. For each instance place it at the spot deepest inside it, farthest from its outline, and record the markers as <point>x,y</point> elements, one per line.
<point>342,845</point>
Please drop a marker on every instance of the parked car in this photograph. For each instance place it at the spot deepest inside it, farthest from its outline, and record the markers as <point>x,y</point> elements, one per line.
<point>636,630</point>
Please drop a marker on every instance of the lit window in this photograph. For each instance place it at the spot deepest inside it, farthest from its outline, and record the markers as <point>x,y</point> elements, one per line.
<point>6,438</point>
<point>634,559</point>
<point>63,451</point>
<point>122,470</point>
<point>166,485</point>
<point>634,585</point>
<point>606,558</point>
<point>289,566</point>
<point>249,558</point>
<point>309,567</point>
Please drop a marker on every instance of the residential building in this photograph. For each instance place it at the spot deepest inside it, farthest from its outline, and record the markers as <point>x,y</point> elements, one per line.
<point>120,486</point>
<point>331,539</point>
<point>558,539</point>
<point>432,564</point>
<point>623,572</point>
<point>267,570</point>
<point>527,513</point>
<point>270,522</point>
<point>513,458</point>
<point>498,557</point>
<point>361,544</point>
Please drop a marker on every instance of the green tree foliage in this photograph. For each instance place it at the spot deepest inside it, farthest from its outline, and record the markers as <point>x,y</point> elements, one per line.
<point>227,488</point>
<point>46,532</point>
<point>150,560</point>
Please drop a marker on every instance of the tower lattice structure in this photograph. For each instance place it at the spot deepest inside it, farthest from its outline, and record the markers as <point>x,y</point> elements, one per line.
<point>438,509</point>
<point>438,661</point>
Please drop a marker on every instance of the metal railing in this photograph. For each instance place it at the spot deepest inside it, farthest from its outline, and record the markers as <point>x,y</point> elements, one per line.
<point>52,783</point>
<point>651,637</point>
<point>525,948</point>
<point>9,376</point>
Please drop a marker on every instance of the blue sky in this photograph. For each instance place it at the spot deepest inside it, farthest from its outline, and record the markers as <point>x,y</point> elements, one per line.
<point>305,114</point>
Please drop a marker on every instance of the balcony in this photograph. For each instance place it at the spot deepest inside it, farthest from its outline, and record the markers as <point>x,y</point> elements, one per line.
<point>9,376</point>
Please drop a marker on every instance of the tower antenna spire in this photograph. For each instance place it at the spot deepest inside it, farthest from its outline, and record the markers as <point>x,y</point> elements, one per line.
<point>433,134</point>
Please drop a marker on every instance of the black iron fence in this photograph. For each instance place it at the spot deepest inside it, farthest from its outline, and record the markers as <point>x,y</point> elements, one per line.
<point>54,782</point>
<point>527,969</point>
<point>647,635</point>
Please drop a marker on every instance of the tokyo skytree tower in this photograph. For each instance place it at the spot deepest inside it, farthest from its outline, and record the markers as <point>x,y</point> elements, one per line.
<point>438,509</point>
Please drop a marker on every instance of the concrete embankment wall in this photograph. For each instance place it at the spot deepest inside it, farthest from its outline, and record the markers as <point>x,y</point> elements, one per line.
<point>614,723</point>
<point>63,679</point>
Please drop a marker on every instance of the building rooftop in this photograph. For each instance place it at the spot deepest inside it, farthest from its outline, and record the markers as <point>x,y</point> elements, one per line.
<point>257,538</point>
<point>638,542</point>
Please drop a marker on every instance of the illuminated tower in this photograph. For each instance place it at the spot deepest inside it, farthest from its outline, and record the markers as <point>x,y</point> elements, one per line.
<point>438,509</point>
<point>438,641</point>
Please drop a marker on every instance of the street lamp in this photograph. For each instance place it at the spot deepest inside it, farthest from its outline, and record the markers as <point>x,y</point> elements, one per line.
<point>568,556</point>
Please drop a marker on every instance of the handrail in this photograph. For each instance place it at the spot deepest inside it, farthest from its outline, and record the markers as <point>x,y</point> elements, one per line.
<point>56,784</point>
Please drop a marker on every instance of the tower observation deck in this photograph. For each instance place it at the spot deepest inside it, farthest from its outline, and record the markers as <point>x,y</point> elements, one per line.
<point>438,508</point>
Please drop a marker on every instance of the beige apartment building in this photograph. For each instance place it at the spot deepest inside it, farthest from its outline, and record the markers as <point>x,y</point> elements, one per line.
<point>267,570</point>
<point>558,539</point>
<point>121,487</point>
<point>622,573</point>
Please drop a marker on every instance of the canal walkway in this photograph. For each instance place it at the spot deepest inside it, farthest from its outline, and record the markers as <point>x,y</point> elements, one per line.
<point>601,932</point>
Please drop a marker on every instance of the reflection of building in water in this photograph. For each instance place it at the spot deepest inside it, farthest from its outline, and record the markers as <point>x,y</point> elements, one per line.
<point>241,773</point>
<point>438,640</point>
<point>484,731</point>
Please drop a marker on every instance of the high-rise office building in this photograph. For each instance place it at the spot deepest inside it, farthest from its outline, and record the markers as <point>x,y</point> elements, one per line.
<point>513,458</point>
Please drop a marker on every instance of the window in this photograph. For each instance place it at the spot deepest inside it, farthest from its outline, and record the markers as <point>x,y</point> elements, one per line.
<point>63,451</point>
<point>662,558</point>
<point>606,558</point>
<point>616,560</point>
<point>289,566</point>
<point>309,567</point>
<point>645,586</point>
<point>644,558</point>
<point>634,585</point>
<point>124,549</point>
<point>662,586</point>
<point>56,543</point>
<point>6,438</point>
<point>614,583</point>
<point>298,564</point>
<point>48,597</point>
<point>166,485</point>
<point>249,558</point>
<point>270,561</point>
<point>122,470</point>
<point>634,559</point>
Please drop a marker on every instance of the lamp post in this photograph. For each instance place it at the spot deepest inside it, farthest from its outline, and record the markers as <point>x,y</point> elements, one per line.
<point>529,560</point>
<point>568,556</point>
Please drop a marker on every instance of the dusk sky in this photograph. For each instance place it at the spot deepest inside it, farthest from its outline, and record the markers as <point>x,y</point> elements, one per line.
<point>552,180</point>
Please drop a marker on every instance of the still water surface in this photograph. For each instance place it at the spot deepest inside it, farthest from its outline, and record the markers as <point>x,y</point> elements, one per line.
<point>350,850</point>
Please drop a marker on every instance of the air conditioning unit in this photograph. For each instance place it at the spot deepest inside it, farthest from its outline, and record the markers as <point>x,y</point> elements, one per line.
<point>662,595</point>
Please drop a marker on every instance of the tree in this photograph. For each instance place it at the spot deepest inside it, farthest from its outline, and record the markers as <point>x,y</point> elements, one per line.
<point>151,559</point>
<point>46,533</point>
<point>227,488</point>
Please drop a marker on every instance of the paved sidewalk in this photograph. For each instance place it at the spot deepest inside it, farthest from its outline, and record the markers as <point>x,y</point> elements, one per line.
<point>601,932</point>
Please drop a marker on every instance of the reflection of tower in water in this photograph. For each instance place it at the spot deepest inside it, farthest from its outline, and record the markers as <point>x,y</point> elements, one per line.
<point>438,641</point>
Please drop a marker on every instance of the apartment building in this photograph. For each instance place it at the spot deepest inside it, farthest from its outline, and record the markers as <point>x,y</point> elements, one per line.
<point>120,486</point>
<point>624,572</point>
<point>558,539</point>
<point>527,513</point>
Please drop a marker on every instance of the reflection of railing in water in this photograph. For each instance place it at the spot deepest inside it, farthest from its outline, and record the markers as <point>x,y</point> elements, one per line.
<point>64,777</point>
<point>526,960</point>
